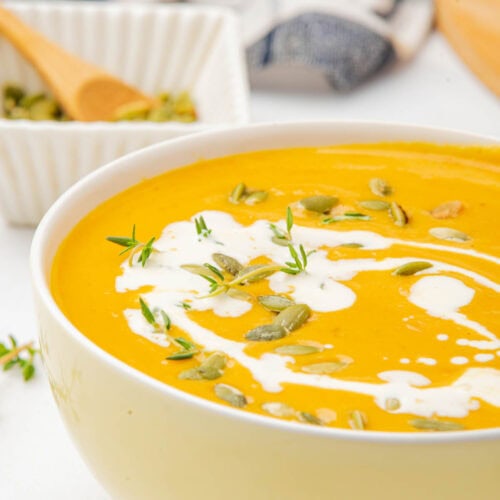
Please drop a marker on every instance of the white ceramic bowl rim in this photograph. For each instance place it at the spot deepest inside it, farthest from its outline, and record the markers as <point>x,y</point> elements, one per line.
<point>51,219</point>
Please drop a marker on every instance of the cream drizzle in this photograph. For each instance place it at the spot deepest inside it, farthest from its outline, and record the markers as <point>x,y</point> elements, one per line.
<point>321,290</point>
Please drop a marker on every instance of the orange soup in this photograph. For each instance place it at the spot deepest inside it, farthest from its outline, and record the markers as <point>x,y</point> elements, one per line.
<point>348,286</point>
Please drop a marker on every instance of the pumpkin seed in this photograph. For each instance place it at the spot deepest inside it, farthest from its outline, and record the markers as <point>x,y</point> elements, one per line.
<point>319,203</point>
<point>374,204</point>
<point>449,234</point>
<point>256,197</point>
<point>211,369</point>
<point>309,418</point>
<point>278,409</point>
<point>357,420</point>
<point>228,264</point>
<point>380,187</point>
<point>200,270</point>
<point>257,276</point>
<point>230,395</point>
<point>293,317</point>
<point>448,210</point>
<point>326,415</point>
<point>296,349</point>
<point>398,215</point>
<point>265,333</point>
<point>392,404</point>
<point>325,367</point>
<point>237,193</point>
<point>424,424</point>
<point>275,303</point>
<point>411,268</point>
<point>352,245</point>
<point>238,294</point>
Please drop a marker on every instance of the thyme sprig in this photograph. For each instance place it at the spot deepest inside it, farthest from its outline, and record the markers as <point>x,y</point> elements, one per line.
<point>282,237</point>
<point>187,348</point>
<point>132,244</point>
<point>299,263</point>
<point>345,216</point>
<point>22,356</point>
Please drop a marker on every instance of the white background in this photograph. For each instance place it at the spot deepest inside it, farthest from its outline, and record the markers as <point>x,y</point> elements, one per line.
<point>37,459</point>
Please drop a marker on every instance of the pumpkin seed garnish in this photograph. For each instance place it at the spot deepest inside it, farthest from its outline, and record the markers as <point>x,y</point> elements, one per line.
<point>346,216</point>
<point>448,210</point>
<point>211,369</point>
<point>200,270</point>
<point>375,204</point>
<point>230,395</point>
<point>257,272</point>
<point>266,333</point>
<point>325,367</point>
<point>357,420</point>
<point>392,404</point>
<point>274,303</point>
<point>239,294</point>
<point>228,264</point>
<point>351,245</point>
<point>380,187</point>
<point>319,203</point>
<point>411,268</point>
<point>293,317</point>
<point>277,409</point>
<point>308,418</point>
<point>398,215</point>
<point>449,234</point>
<point>238,193</point>
<point>296,349</point>
<point>435,425</point>
<point>256,197</point>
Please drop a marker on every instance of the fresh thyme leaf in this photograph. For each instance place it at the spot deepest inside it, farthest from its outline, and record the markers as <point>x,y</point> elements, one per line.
<point>22,356</point>
<point>188,350</point>
<point>166,320</point>
<point>184,305</point>
<point>214,270</point>
<point>146,252</point>
<point>186,344</point>
<point>201,227</point>
<point>289,220</point>
<point>147,313</point>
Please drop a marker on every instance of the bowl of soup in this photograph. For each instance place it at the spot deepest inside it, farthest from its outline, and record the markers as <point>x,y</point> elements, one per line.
<point>304,310</point>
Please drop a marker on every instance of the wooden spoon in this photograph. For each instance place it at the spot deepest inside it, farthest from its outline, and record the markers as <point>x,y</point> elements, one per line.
<point>85,91</point>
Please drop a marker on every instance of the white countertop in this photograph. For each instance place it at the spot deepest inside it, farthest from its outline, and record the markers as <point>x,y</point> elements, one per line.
<point>37,459</point>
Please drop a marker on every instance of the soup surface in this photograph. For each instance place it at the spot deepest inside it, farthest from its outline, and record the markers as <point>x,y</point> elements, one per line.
<point>348,286</point>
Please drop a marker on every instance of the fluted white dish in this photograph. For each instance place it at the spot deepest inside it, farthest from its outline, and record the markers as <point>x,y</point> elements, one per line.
<point>153,47</point>
<point>146,440</point>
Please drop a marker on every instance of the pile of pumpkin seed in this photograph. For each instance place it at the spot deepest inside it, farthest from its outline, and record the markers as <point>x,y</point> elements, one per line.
<point>18,104</point>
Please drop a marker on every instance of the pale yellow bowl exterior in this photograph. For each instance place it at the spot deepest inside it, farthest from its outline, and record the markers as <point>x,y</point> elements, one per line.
<point>145,440</point>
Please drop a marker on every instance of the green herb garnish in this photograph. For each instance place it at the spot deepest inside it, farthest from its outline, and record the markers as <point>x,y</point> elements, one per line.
<point>15,355</point>
<point>201,227</point>
<point>188,349</point>
<point>133,244</point>
<point>299,263</point>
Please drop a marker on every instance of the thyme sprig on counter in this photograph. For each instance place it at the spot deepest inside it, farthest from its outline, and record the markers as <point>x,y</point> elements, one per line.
<point>22,356</point>
<point>132,244</point>
<point>187,348</point>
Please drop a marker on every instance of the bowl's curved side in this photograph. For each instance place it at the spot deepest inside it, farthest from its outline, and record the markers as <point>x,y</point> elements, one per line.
<point>143,439</point>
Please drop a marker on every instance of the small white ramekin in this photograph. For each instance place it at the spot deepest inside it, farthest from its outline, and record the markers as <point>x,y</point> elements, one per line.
<point>153,47</point>
<point>145,439</point>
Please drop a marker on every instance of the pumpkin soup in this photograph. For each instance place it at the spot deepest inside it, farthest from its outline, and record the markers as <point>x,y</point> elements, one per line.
<point>348,286</point>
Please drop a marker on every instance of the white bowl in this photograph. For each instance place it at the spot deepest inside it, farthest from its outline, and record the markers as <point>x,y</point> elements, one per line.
<point>145,439</point>
<point>153,47</point>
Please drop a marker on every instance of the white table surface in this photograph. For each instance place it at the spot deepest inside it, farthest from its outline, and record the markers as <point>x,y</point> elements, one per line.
<point>37,459</point>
